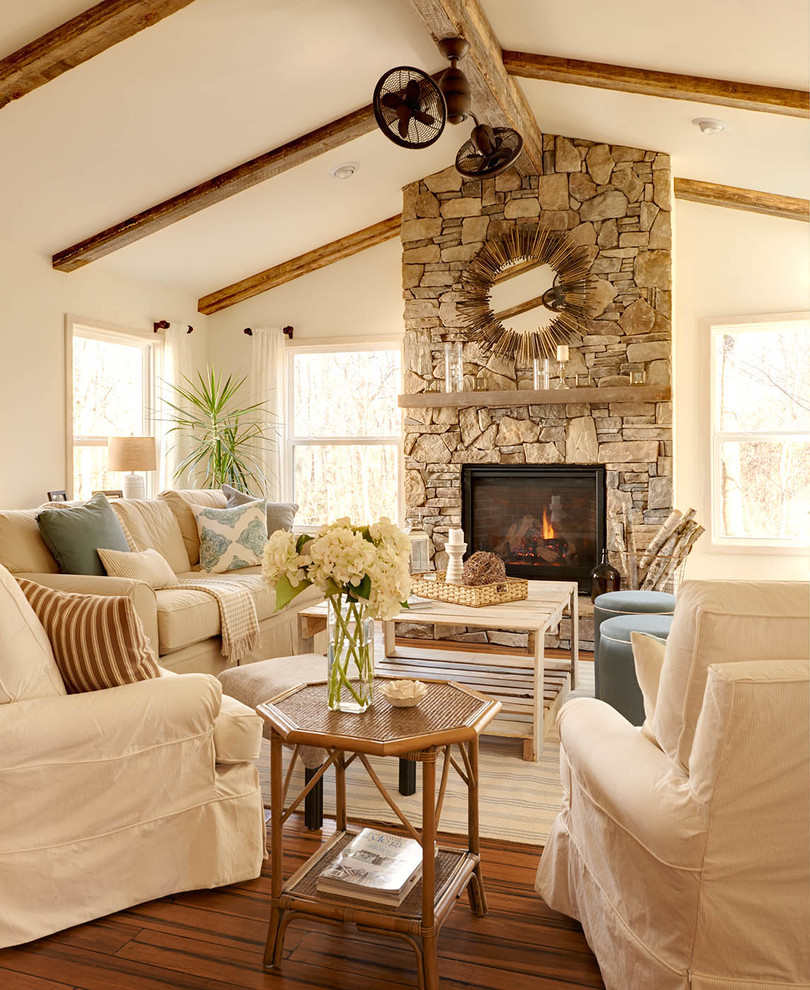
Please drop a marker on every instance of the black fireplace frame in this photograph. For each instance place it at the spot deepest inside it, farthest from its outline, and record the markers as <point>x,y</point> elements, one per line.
<point>593,472</point>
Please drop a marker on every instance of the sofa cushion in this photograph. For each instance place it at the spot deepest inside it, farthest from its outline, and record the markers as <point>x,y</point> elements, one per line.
<point>231,538</point>
<point>98,641</point>
<point>27,665</point>
<point>180,502</point>
<point>648,658</point>
<point>186,616</point>
<point>723,622</point>
<point>237,733</point>
<point>139,565</point>
<point>73,535</point>
<point>21,545</point>
<point>152,525</point>
<point>280,515</point>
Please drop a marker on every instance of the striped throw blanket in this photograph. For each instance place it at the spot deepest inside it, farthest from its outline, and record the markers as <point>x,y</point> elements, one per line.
<point>237,614</point>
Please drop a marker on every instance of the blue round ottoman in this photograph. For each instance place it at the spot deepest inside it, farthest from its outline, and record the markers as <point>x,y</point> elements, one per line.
<point>615,671</point>
<point>628,603</point>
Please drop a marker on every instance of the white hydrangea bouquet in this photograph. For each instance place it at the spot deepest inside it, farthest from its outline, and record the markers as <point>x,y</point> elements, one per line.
<point>363,572</point>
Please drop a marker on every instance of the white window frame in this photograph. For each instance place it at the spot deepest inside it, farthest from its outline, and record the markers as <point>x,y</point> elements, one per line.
<point>742,544</point>
<point>151,346</point>
<point>321,346</point>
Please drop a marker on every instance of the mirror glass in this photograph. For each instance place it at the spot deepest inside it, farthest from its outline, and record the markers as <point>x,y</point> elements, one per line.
<point>516,296</point>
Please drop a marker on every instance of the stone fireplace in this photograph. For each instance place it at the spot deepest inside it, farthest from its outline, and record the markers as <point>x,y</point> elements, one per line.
<point>616,202</point>
<point>547,522</point>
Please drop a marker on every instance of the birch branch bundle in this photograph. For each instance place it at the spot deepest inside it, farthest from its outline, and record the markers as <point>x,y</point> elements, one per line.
<point>667,550</point>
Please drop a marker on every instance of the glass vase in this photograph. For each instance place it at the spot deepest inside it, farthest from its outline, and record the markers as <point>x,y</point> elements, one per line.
<point>350,678</point>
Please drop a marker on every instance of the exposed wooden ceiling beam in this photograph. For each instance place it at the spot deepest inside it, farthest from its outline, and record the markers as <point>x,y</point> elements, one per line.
<point>78,40</point>
<point>771,204</point>
<point>270,278</point>
<point>496,97</point>
<point>672,85</point>
<point>214,190</point>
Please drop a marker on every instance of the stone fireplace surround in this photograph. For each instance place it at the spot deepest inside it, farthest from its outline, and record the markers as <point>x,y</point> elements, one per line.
<point>616,202</point>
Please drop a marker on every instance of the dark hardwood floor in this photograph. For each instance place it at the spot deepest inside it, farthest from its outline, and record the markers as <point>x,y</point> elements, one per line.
<point>211,940</point>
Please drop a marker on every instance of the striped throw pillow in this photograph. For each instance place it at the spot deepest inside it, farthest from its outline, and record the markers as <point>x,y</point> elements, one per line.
<point>148,566</point>
<point>98,641</point>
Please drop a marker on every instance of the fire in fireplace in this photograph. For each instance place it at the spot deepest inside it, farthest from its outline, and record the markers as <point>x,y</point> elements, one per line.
<point>546,521</point>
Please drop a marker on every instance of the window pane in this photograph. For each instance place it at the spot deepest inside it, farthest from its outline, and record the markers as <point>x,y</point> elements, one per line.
<point>763,379</point>
<point>90,472</point>
<point>346,394</point>
<point>353,480</point>
<point>765,489</point>
<point>107,388</point>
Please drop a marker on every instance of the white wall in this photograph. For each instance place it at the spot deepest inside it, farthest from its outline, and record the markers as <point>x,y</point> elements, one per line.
<point>360,296</point>
<point>727,263</point>
<point>35,299</point>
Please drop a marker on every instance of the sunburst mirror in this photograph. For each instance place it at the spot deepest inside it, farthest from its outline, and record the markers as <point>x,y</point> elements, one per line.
<point>527,291</point>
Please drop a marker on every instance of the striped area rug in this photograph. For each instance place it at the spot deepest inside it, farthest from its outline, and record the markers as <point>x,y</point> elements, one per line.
<point>518,800</point>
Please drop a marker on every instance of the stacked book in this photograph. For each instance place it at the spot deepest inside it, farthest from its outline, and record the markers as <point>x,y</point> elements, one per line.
<point>375,866</point>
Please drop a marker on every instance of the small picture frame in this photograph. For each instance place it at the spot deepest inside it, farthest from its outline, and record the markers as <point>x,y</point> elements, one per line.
<point>58,496</point>
<point>110,492</point>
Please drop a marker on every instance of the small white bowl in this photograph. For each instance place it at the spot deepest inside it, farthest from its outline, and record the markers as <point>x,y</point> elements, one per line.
<point>404,694</point>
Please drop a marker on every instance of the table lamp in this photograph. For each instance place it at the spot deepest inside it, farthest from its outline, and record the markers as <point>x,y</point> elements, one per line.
<point>132,454</point>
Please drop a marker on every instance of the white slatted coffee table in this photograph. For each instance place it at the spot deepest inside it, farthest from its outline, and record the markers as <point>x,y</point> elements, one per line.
<point>530,688</point>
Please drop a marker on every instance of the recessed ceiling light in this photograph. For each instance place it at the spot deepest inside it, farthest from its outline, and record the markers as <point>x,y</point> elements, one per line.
<point>709,125</point>
<point>345,171</point>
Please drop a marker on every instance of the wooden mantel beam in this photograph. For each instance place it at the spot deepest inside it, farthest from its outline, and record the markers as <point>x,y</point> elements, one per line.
<point>77,40</point>
<point>771,204</point>
<point>496,97</point>
<point>320,257</point>
<point>649,82</point>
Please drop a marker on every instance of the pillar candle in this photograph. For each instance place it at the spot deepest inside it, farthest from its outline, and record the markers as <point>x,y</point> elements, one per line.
<point>562,352</point>
<point>456,537</point>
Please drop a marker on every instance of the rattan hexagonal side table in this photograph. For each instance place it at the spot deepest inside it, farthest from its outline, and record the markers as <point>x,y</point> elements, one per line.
<point>446,724</point>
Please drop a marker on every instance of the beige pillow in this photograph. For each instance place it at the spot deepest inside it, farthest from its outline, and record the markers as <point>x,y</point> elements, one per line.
<point>21,545</point>
<point>141,565</point>
<point>150,524</point>
<point>97,640</point>
<point>181,503</point>
<point>648,656</point>
<point>27,666</point>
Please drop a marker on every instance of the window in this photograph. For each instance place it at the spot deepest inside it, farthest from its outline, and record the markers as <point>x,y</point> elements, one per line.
<point>344,433</point>
<point>111,378</point>
<point>761,432</point>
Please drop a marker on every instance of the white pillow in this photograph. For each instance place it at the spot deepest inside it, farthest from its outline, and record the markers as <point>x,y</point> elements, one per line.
<point>648,657</point>
<point>27,666</point>
<point>148,566</point>
<point>231,538</point>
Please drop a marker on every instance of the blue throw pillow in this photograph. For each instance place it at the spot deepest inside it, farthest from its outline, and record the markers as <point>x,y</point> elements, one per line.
<point>74,534</point>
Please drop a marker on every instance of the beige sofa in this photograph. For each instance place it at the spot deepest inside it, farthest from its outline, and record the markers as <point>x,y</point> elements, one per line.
<point>118,796</point>
<point>182,624</point>
<point>684,849</point>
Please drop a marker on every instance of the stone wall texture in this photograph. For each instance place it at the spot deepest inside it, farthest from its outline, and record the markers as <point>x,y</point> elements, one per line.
<point>615,201</point>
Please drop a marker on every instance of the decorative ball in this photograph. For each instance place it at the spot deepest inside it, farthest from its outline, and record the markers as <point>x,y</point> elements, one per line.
<point>484,568</point>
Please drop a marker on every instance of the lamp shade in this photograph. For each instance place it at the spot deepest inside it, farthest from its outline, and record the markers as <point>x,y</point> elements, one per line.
<point>131,454</point>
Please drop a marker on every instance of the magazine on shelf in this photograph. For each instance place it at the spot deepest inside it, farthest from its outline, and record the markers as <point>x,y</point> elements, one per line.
<point>374,866</point>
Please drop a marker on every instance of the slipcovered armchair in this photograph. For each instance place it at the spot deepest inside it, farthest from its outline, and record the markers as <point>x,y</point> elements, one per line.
<point>114,797</point>
<point>684,848</point>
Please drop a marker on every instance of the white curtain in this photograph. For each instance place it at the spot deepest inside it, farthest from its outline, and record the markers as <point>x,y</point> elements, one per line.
<point>177,366</point>
<point>268,384</point>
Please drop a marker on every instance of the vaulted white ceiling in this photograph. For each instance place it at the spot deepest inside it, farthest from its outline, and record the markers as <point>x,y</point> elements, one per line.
<point>220,82</point>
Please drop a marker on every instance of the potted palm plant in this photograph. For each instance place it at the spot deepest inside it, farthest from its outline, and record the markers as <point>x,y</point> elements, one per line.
<point>228,440</point>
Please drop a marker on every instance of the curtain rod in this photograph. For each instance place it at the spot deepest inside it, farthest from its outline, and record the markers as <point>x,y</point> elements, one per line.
<point>164,325</point>
<point>287,331</point>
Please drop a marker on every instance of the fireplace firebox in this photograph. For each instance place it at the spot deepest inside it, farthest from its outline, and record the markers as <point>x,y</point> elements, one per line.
<point>547,521</point>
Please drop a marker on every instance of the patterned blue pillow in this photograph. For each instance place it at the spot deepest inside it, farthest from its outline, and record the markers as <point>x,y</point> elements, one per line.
<point>231,538</point>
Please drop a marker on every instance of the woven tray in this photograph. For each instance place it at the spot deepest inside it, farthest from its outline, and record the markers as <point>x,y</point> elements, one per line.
<point>476,596</point>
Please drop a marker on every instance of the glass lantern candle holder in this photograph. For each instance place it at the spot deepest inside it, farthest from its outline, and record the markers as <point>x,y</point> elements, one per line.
<point>453,366</point>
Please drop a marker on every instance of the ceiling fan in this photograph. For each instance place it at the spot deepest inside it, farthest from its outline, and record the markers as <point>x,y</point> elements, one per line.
<point>411,109</point>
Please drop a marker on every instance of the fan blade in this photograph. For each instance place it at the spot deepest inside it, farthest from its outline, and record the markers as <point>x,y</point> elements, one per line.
<point>424,118</point>
<point>392,101</point>
<point>404,124</point>
<point>412,92</point>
